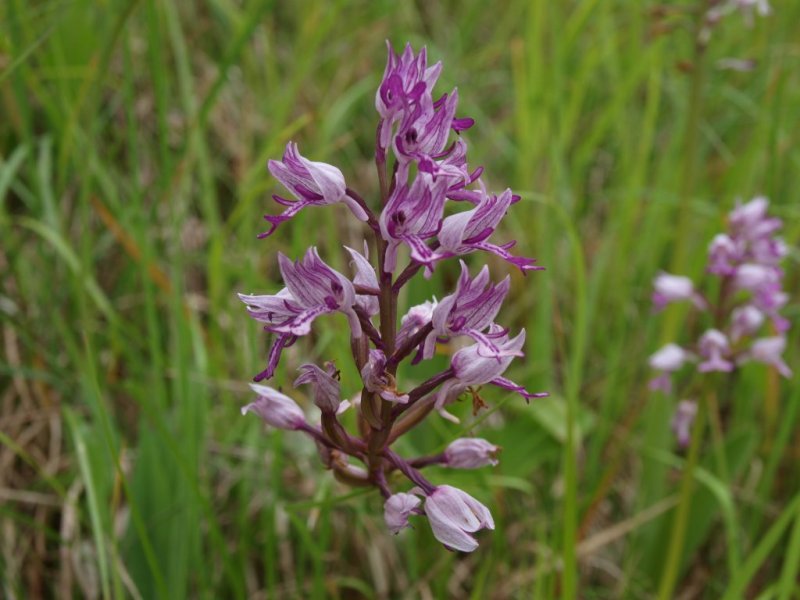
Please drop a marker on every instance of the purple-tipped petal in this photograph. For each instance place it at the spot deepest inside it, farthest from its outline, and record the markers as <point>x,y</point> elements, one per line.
<point>509,385</point>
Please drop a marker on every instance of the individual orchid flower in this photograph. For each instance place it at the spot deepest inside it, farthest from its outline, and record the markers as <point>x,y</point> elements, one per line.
<point>415,319</point>
<point>768,351</point>
<point>411,216</point>
<point>451,163</point>
<point>750,221</point>
<point>714,347</point>
<point>312,289</point>
<point>754,277</point>
<point>470,453</point>
<point>407,79</point>
<point>312,183</point>
<point>275,408</point>
<point>422,135</point>
<point>745,321</point>
<point>722,254</point>
<point>469,311</point>
<point>454,515</point>
<point>470,230</point>
<point>667,360</point>
<point>470,368</point>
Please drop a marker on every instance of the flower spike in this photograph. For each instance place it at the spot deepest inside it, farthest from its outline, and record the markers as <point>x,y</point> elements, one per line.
<point>419,136</point>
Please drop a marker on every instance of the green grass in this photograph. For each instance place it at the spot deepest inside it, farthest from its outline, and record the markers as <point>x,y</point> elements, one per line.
<point>133,143</point>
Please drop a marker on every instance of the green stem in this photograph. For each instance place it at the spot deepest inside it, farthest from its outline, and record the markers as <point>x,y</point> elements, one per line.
<point>569,578</point>
<point>691,142</point>
<point>678,533</point>
<point>691,145</point>
<point>734,558</point>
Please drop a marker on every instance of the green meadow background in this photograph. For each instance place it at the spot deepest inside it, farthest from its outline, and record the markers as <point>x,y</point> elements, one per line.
<point>134,136</point>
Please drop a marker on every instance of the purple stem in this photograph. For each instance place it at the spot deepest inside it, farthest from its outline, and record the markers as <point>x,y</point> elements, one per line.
<point>383,485</point>
<point>421,390</point>
<point>356,446</point>
<point>371,220</point>
<point>425,461</point>
<point>372,333</point>
<point>365,290</point>
<point>394,178</point>
<point>411,270</point>
<point>412,342</point>
<point>406,469</point>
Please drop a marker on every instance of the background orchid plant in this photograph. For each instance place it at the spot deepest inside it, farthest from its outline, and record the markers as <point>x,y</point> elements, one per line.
<point>739,301</point>
<point>428,173</point>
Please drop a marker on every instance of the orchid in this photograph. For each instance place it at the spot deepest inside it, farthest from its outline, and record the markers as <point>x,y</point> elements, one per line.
<point>744,321</point>
<point>413,231</point>
<point>469,231</point>
<point>468,311</point>
<point>312,289</point>
<point>312,183</point>
<point>412,215</point>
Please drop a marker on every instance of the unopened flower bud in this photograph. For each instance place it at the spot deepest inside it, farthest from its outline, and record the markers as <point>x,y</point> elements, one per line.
<point>454,515</point>
<point>397,509</point>
<point>670,358</point>
<point>669,288</point>
<point>470,453</point>
<point>275,408</point>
